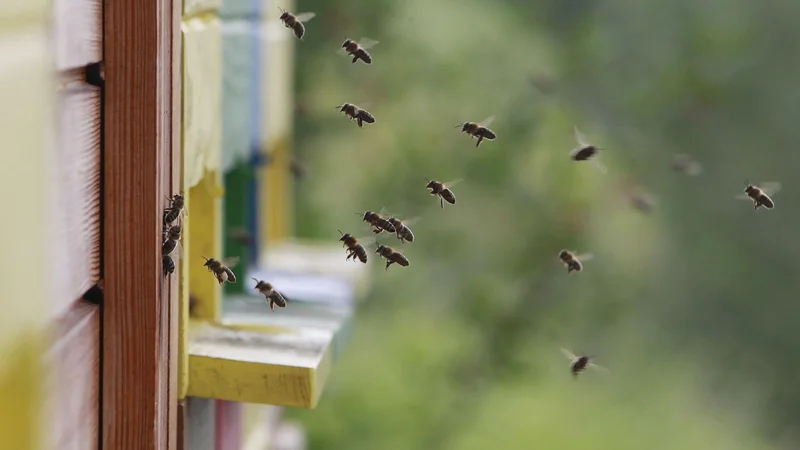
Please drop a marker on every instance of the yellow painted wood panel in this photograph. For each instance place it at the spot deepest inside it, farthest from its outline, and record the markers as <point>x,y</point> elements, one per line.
<point>183,301</point>
<point>205,240</point>
<point>26,128</point>
<point>276,199</point>
<point>195,7</point>
<point>19,15</point>
<point>202,84</point>
<point>286,369</point>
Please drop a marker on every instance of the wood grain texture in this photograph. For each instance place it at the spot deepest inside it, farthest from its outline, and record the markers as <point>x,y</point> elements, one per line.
<point>75,358</point>
<point>77,32</point>
<point>139,379</point>
<point>76,207</point>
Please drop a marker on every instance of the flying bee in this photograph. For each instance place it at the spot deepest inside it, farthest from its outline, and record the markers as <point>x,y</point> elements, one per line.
<point>171,244</point>
<point>355,112</point>
<point>358,50</point>
<point>295,22</point>
<point>378,223</point>
<point>639,198</point>
<point>586,151</point>
<point>760,195</point>
<point>391,256</point>
<point>177,207</point>
<point>572,261</point>
<point>274,297</point>
<point>354,248</point>
<point>168,264</point>
<point>580,363</point>
<point>479,130</point>
<point>222,269</point>
<point>402,230</point>
<point>443,191</point>
<point>242,235</point>
<point>686,165</point>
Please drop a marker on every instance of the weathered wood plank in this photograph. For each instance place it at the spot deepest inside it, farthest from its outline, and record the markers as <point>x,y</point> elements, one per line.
<point>75,359</point>
<point>259,365</point>
<point>77,32</point>
<point>139,379</point>
<point>76,194</point>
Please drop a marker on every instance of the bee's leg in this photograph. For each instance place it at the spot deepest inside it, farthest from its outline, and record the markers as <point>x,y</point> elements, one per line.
<point>388,263</point>
<point>272,305</point>
<point>480,139</point>
<point>441,201</point>
<point>355,58</point>
<point>359,122</point>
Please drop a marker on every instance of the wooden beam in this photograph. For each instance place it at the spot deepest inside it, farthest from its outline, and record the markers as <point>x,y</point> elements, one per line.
<point>139,401</point>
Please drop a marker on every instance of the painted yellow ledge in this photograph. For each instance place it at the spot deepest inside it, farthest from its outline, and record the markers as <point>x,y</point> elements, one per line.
<point>285,369</point>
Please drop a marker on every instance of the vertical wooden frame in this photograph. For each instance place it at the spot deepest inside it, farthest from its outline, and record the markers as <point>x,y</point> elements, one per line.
<point>139,313</point>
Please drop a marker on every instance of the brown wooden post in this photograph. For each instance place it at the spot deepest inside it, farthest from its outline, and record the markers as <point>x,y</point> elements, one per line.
<point>139,316</point>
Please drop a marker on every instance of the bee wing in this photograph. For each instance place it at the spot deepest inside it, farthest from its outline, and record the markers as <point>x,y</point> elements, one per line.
<point>305,17</point>
<point>741,197</point>
<point>599,166</point>
<point>770,187</point>
<point>450,184</point>
<point>177,252</point>
<point>568,354</point>
<point>581,138</point>
<point>230,262</point>
<point>598,367</point>
<point>411,221</point>
<point>584,257</point>
<point>487,121</point>
<point>694,169</point>
<point>366,43</point>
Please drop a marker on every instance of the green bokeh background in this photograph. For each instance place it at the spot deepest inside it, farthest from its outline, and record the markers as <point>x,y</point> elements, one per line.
<point>693,307</point>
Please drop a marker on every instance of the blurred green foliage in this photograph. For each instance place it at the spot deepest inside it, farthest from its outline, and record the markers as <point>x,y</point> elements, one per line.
<point>691,306</point>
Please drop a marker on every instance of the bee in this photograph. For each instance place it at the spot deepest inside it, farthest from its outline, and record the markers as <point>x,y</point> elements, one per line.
<point>295,22</point>
<point>573,261</point>
<point>170,242</point>
<point>760,195</point>
<point>242,235</point>
<point>686,165</point>
<point>378,223</point>
<point>580,363</point>
<point>354,112</point>
<point>391,256</point>
<point>168,264</point>
<point>402,230</point>
<point>354,248</point>
<point>639,198</point>
<point>443,191</point>
<point>358,49</point>
<point>479,130</point>
<point>585,151</point>
<point>222,269</point>
<point>177,208</point>
<point>274,297</point>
